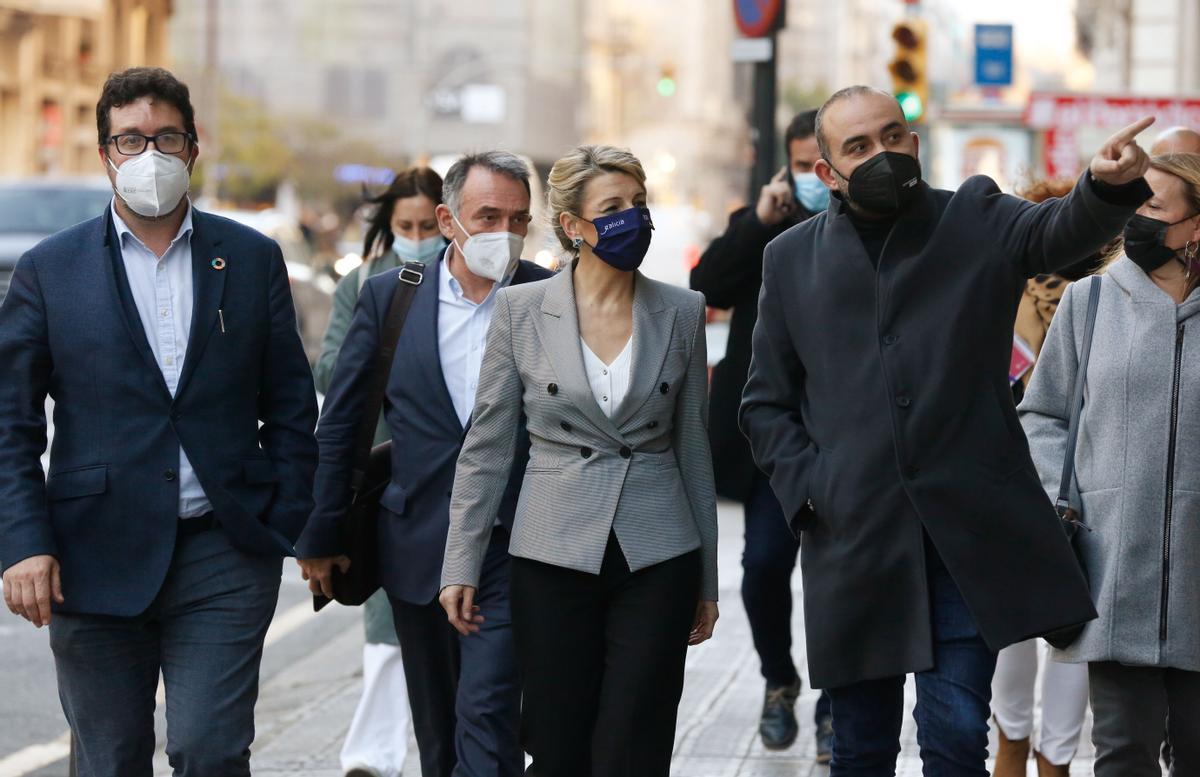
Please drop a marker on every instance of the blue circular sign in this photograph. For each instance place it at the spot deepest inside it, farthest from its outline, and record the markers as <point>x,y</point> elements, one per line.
<point>756,18</point>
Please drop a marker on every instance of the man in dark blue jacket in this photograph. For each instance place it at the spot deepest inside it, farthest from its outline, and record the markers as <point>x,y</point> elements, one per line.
<point>464,691</point>
<point>165,337</point>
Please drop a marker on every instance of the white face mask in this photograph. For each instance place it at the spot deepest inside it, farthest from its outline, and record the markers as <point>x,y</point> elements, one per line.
<point>490,254</point>
<point>423,251</point>
<point>151,183</point>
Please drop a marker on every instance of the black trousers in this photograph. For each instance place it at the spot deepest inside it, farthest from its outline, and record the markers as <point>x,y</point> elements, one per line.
<point>1132,705</point>
<point>602,660</point>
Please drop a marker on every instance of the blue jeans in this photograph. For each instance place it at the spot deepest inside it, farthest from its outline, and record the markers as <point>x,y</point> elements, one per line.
<point>205,631</point>
<point>768,560</point>
<point>953,699</point>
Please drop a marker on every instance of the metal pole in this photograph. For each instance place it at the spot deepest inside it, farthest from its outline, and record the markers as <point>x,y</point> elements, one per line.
<point>763,122</point>
<point>212,99</point>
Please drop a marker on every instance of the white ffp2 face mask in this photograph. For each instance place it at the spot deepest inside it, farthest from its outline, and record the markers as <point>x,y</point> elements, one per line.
<point>490,254</point>
<point>151,183</point>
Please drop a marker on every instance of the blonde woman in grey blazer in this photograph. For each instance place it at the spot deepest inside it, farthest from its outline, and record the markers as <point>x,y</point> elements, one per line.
<point>615,538</point>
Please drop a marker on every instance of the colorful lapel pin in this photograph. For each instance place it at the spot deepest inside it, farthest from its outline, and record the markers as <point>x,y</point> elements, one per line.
<point>218,263</point>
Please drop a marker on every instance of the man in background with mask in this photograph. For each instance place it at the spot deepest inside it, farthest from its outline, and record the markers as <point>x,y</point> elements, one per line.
<point>183,457</point>
<point>878,404</point>
<point>730,274</point>
<point>464,691</point>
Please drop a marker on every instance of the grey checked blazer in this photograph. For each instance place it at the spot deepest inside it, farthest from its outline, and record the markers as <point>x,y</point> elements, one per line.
<point>646,473</point>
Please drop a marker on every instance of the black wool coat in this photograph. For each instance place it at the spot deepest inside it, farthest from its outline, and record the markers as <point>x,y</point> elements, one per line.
<point>878,404</point>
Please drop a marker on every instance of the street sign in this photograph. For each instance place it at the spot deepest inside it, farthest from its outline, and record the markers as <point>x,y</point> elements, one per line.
<point>756,18</point>
<point>993,54</point>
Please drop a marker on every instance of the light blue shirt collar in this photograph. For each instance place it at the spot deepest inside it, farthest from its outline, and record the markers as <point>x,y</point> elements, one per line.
<point>123,230</point>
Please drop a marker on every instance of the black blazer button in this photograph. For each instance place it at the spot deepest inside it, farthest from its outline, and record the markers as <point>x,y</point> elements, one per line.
<point>903,401</point>
<point>652,425</point>
<point>176,415</point>
<point>664,388</point>
<point>585,452</point>
<point>890,339</point>
<point>552,388</point>
<point>169,475</point>
<point>625,452</point>
<point>566,427</point>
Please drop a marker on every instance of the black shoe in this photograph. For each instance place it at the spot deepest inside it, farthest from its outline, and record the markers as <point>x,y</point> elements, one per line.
<point>778,726</point>
<point>825,740</point>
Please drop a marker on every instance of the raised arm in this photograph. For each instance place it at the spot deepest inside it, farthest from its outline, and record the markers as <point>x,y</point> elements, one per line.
<point>770,412</point>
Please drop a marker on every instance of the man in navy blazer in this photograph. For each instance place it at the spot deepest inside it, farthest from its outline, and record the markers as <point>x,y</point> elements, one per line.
<point>464,691</point>
<point>165,337</point>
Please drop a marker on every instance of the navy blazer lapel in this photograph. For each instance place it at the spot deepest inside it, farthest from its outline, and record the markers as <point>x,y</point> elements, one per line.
<point>559,330</point>
<point>208,288</point>
<point>123,296</point>
<point>653,323</point>
<point>424,314</point>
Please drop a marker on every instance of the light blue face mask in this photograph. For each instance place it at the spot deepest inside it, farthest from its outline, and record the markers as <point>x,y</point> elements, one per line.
<point>812,194</point>
<point>423,251</point>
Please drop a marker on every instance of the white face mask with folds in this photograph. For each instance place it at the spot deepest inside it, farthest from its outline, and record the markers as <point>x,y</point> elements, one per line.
<point>151,183</point>
<point>491,255</point>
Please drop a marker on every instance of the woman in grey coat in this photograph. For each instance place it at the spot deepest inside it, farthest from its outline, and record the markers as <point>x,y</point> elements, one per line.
<point>1137,467</point>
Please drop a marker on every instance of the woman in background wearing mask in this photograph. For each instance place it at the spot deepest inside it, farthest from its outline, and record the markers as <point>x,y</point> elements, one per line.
<point>1063,686</point>
<point>1137,467</point>
<point>614,541</point>
<point>402,228</point>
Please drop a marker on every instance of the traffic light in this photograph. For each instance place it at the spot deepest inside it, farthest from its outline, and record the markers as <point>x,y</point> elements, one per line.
<point>666,81</point>
<point>910,78</point>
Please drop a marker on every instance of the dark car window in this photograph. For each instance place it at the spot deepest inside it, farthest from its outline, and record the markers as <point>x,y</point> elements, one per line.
<point>46,209</point>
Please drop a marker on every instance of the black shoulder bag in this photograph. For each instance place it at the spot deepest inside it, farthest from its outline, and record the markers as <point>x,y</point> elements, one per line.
<point>372,470</point>
<point>1069,505</point>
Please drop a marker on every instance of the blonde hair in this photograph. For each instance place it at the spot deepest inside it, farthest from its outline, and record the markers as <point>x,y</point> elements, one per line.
<point>570,176</point>
<point>1185,167</point>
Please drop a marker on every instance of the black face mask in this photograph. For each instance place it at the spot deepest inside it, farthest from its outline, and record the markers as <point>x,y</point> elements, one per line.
<point>885,184</point>
<point>1146,241</point>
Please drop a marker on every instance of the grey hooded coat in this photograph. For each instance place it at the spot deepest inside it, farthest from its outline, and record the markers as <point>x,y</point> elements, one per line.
<point>1137,463</point>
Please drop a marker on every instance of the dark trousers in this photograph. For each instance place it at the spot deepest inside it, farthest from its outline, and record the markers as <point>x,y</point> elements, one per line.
<point>768,560</point>
<point>464,691</point>
<point>205,632</point>
<point>1132,706</point>
<point>953,699</point>
<point>602,660</point>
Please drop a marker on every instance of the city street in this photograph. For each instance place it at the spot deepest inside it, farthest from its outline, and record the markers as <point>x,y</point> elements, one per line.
<point>311,680</point>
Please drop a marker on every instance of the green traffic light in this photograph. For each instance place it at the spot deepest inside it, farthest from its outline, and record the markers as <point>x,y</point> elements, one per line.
<point>666,86</point>
<point>910,103</point>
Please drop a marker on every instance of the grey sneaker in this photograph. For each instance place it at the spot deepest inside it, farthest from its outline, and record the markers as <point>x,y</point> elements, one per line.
<point>778,727</point>
<point>824,740</point>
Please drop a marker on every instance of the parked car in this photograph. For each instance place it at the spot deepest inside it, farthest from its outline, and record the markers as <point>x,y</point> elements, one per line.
<point>32,209</point>
<point>312,291</point>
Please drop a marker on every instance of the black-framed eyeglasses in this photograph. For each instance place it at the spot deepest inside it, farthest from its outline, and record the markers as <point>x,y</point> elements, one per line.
<point>132,144</point>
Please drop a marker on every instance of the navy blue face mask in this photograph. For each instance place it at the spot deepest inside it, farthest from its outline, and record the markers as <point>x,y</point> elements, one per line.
<point>624,238</point>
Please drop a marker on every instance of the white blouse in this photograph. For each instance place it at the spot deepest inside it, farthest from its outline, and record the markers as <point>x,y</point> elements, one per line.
<point>610,382</point>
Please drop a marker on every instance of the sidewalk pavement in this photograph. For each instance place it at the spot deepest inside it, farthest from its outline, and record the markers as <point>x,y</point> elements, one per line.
<point>304,710</point>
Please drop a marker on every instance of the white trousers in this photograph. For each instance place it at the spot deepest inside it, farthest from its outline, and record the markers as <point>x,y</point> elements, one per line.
<point>1064,699</point>
<point>378,735</point>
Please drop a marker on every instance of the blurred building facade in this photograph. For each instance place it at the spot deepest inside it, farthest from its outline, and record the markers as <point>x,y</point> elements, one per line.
<point>416,78</point>
<point>54,57</point>
<point>1145,47</point>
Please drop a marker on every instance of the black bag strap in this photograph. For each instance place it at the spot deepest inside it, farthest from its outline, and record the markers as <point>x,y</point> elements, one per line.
<point>1068,493</point>
<point>411,276</point>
